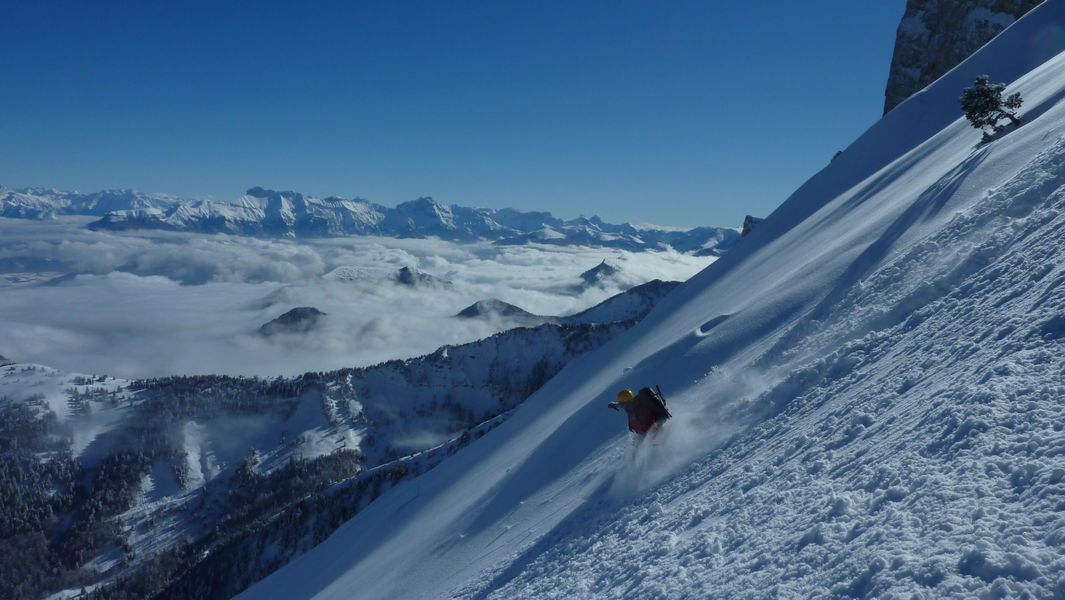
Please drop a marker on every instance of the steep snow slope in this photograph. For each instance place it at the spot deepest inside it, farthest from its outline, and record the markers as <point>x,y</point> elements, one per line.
<point>194,466</point>
<point>631,305</point>
<point>867,396</point>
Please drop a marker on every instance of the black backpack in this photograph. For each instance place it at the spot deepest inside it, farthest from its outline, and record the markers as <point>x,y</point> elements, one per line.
<point>658,403</point>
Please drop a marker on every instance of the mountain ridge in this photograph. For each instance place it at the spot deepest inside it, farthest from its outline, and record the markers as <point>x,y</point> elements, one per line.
<point>273,213</point>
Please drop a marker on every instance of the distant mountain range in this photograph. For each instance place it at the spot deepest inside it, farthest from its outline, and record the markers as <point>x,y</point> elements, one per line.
<point>270,213</point>
<point>42,203</point>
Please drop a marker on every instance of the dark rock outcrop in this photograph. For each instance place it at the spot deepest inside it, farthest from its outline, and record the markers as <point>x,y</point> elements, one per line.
<point>494,308</point>
<point>298,320</point>
<point>414,278</point>
<point>748,224</point>
<point>600,274</point>
<point>936,35</point>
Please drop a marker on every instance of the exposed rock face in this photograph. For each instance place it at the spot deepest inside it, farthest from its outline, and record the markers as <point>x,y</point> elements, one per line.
<point>298,320</point>
<point>600,274</point>
<point>632,305</point>
<point>936,35</point>
<point>493,308</point>
<point>415,278</point>
<point>748,224</point>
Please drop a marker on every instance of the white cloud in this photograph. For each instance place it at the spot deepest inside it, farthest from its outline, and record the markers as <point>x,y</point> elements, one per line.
<point>161,303</point>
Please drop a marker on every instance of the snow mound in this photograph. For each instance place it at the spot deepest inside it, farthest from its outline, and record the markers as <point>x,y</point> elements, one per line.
<point>866,393</point>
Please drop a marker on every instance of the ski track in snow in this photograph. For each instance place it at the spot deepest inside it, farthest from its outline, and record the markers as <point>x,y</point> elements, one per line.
<point>867,396</point>
<point>925,459</point>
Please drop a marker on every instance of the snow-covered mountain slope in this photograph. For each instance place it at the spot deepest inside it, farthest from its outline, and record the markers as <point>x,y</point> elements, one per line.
<point>156,475</point>
<point>866,395</point>
<point>271,213</point>
<point>257,212</point>
<point>633,304</point>
<point>41,203</point>
<point>262,212</point>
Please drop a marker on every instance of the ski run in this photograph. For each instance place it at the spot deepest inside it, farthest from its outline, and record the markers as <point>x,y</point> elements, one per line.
<point>866,393</point>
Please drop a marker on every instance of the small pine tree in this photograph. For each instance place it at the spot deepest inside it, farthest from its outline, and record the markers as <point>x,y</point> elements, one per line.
<point>984,106</point>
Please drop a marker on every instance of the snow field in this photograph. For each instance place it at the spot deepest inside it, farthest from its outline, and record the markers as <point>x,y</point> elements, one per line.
<point>870,386</point>
<point>926,459</point>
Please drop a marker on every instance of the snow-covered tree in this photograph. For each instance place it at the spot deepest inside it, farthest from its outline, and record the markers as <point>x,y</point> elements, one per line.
<point>984,106</point>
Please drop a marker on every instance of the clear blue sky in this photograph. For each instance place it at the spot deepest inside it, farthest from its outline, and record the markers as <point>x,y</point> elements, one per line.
<point>675,112</point>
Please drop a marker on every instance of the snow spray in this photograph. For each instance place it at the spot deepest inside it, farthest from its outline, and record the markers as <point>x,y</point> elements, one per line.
<point>704,418</point>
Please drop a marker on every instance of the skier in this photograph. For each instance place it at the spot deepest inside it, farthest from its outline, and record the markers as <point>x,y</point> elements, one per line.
<point>646,410</point>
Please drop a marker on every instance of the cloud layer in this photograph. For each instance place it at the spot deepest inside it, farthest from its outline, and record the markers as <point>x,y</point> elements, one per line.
<point>145,304</point>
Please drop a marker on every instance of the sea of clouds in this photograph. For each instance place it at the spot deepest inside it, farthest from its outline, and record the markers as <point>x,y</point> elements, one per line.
<point>139,304</point>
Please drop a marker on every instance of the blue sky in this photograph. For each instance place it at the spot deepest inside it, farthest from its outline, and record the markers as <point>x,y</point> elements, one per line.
<point>680,113</point>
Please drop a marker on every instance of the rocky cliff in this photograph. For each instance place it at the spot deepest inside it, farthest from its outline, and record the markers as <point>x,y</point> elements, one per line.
<point>936,35</point>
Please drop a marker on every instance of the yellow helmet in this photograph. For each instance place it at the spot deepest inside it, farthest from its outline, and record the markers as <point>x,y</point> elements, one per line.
<point>626,395</point>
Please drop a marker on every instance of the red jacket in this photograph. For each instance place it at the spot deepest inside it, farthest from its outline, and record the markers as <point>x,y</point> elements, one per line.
<point>644,411</point>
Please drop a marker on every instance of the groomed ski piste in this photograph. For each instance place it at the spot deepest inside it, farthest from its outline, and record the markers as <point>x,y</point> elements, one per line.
<point>867,395</point>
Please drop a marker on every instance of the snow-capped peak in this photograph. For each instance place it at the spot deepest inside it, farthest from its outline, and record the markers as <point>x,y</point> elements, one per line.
<point>266,212</point>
